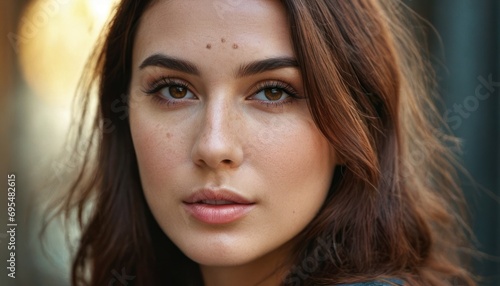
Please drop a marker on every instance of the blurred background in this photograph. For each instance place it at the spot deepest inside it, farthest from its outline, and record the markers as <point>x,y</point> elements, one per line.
<point>43,48</point>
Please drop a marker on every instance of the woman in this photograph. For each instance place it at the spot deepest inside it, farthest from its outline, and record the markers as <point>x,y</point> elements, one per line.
<point>264,143</point>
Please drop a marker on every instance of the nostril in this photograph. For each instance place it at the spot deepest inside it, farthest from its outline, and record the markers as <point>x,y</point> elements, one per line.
<point>227,162</point>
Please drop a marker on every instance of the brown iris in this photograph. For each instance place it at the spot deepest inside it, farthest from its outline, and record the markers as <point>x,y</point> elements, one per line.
<point>273,93</point>
<point>177,91</point>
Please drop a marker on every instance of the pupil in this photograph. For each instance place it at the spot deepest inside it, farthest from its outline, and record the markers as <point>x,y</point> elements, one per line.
<point>177,91</point>
<point>273,93</point>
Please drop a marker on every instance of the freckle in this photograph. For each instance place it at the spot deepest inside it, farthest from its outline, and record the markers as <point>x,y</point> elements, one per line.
<point>209,46</point>
<point>169,135</point>
<point>222,40</point>
<point>235,46</point>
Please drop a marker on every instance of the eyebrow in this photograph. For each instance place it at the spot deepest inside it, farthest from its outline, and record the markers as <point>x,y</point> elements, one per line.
<point>159,60</point>
<point>267,65</point>
<point>255,67</point>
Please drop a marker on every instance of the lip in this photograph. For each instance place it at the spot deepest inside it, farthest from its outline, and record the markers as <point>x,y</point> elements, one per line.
<point>217,206</point>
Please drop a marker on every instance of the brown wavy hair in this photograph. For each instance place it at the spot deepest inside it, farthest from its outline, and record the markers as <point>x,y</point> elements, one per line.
<point>392,209</point>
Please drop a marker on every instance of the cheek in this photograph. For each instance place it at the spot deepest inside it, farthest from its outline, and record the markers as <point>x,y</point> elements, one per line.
<point>157,146</point>
<point>296,163</point>
<point>294,149</point>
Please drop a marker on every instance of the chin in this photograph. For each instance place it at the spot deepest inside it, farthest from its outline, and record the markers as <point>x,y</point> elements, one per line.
<point>215,258</point>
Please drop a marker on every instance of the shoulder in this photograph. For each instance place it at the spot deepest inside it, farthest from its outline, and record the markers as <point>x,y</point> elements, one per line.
<point>391,282</point>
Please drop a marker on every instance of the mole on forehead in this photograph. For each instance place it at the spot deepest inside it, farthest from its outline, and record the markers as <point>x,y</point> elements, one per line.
<point>209,45</point>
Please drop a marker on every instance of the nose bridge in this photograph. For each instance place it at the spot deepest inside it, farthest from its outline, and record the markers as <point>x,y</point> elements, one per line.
<point>217,141</point>
<point>218,121</point>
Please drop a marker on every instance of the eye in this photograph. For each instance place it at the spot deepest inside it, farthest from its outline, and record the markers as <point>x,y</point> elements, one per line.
<point>271,94</point>
<point>170,91</point>
<point>275,93</point>
<point>176,92</point>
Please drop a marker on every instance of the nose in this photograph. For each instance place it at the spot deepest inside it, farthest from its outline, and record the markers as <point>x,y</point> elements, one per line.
<point>217,145</point>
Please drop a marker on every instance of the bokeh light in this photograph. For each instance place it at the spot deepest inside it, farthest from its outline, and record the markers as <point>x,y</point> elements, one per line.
<point>55,39</point>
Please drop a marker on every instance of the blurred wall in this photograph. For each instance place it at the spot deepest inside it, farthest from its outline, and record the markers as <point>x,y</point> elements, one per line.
<point>8,15</point>
<point>467,61</point>
<point>33,127</point>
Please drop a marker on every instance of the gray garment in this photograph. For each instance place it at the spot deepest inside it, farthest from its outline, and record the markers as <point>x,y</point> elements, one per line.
<point>376,283</point>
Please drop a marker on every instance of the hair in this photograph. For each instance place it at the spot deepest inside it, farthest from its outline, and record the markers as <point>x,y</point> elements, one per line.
<point>393,208</point>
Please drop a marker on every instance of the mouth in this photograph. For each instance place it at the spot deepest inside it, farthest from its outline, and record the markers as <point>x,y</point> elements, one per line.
<point>216,197</point>
<point>217,206</point>
<point>216,202</point>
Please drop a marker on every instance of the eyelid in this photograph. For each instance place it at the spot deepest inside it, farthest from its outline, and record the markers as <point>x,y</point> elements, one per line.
<point>288,88</point>
<point>158,84</point>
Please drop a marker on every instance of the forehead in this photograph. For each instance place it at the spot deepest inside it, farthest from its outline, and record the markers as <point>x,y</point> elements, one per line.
<point>250,28</point>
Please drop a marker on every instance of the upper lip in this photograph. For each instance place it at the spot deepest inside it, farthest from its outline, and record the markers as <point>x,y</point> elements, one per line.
<point>222,195</point>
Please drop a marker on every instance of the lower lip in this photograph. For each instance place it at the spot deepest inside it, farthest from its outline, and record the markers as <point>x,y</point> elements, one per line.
<point>218,214</point>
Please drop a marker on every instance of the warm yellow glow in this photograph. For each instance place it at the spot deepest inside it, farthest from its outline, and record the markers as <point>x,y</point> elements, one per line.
<point>54,41</point>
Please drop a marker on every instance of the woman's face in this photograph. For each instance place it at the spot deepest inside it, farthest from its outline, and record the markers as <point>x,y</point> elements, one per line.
<point>231,162</point>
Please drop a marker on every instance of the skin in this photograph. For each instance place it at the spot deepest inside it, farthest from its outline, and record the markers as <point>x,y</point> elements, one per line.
<point>224,132</point>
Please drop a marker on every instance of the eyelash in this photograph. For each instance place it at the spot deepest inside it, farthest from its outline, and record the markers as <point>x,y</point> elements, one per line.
<point>156,86</point>
<point>288,89</point>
